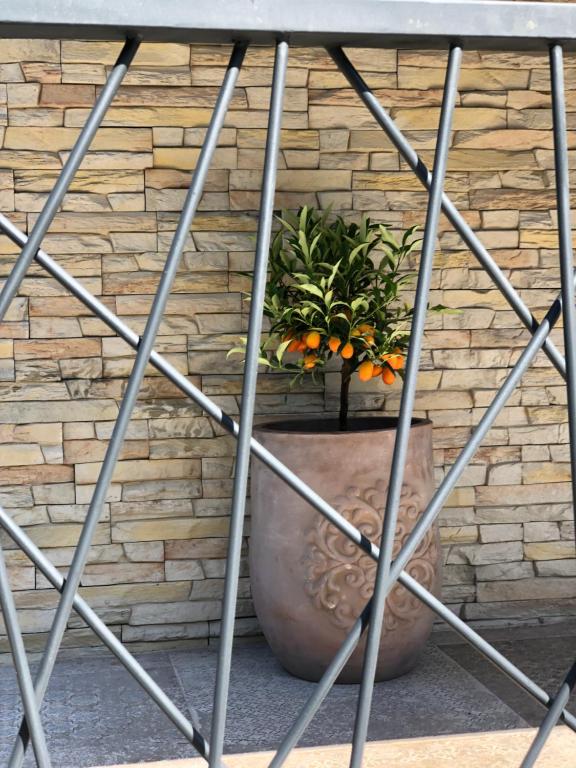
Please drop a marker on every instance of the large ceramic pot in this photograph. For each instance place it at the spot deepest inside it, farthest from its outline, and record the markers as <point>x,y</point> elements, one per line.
<point>309,581</point>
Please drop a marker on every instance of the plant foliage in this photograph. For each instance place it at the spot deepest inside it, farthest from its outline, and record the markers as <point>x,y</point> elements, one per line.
<point>335,290</point>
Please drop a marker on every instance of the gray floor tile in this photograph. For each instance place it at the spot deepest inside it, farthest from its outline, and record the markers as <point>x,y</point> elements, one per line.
<point>95,713</point>
<point>437,697</point>
<point>545,659</point>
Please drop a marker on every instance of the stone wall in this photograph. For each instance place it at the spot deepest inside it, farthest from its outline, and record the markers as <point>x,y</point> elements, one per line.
<point>156,568</point>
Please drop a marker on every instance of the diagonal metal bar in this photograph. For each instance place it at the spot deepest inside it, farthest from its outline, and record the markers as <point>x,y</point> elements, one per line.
<point>569,317</point>
<point>108,638</point>
<point>248,403</point>
<point>23,676</point>
<point>398,464</point>
<point>450,211</point>
<point>419,531</point>
<point>180,381</point>
<point>145,347</point>
<point>81,146</point>
<point>131,338</point>
<point>551,720</point>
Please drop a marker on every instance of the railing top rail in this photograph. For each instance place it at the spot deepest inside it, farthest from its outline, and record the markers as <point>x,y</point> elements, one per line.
<point>475,24</point>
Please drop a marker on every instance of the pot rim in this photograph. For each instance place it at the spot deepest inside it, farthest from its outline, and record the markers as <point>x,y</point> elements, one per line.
<point>320,425</point>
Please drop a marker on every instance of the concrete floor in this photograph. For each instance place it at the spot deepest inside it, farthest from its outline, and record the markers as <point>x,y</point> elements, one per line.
<point>97,715</point>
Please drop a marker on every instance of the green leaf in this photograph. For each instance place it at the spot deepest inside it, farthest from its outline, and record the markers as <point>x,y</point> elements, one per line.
<point>310,288</point>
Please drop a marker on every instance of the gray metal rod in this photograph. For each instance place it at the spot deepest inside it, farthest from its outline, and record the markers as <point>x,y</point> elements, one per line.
<point>132,389</point>
<point>569,316</point>
<point>163,366</point>
<point>398,464</point>
<point>107,637</point>
<point>482,646</point>
<point>248,401</point>
<point>451,212</point>
<point>132,338</point>
<point>215,412</point>
<point>551,720</point>
<point>23,676</point>
<point>81,146</point>
<point>418,533</point>
<point>195,394</point>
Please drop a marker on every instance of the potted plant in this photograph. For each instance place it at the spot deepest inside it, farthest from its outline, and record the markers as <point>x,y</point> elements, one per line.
<point>334,300</point>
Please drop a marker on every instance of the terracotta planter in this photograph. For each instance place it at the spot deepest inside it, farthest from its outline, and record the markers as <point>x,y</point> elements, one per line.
<point>308,580</point>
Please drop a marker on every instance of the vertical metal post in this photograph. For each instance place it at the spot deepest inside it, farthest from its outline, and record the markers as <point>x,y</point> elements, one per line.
<point>104,634</point>
<point>248,402</point>
<point>31,709</point>
<point>82,145</point>
<point>569,317</point>
<point>406,406</point>
<point>145,348</point>
<point>450,211</point>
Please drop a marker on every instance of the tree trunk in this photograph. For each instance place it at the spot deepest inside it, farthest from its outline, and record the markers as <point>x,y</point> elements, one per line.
<point>344,390</point>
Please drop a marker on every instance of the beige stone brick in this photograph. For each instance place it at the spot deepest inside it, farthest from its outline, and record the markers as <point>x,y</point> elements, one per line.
<point>23,94</point>
<point>543,531</point>
<point>527,589</point>
<point>134,470</point>
<point>462,534</point>
<point>58,139</point>
<point>501,532</point>
<point>549,550</point>
<point>185,158</point>
<point>169,528</point>
<point>20,454</point>
<point>149,54</point>
<point>483,554</point>
<point>487,79</point>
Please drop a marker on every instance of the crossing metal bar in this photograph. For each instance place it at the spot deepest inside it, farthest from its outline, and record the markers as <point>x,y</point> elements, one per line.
<point>132,389</point>
<point>248,402</point>
<point>449,209</point>
<point>79,150</point>
<point>387,572</point>
<point>108,638</point>
<point>569,316</point>
<point>275,465</point>
<point>14,280</point>
<point>416,536</point>
<point>398,463</point>
<point>180,381</point>
<point>551,720</point>
<point>92,303</point>
<point>23,676</point>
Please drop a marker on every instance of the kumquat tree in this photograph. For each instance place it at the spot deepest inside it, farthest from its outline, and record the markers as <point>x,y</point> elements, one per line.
<point>335,291</point>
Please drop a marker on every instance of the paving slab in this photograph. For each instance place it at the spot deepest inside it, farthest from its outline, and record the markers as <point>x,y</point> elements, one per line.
<point>96,714</point>
<point>544,657</point>
<point>484,750</point>
<point>435,698</point>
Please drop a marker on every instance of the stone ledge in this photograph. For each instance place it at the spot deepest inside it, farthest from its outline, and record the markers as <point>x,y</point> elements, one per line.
<point>504,749</point>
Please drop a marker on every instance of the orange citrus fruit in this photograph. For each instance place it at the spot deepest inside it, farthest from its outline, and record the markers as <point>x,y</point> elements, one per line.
<point>388,376</point>
<point>313,340</point>
<point>377,370</point>
<point>334,343</point>
<point>310,361</point>
<point>294,345</point>
<point>365,370</point>
<point>347,351</point>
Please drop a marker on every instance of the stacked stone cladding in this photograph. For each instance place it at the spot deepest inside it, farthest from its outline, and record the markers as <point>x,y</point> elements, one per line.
<point>156,569</point>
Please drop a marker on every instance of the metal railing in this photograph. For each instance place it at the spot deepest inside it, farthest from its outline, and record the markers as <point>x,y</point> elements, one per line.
<point>388,570</point>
